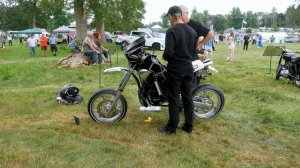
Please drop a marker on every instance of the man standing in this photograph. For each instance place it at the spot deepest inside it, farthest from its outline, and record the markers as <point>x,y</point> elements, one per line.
<point>181,41</point>
<point>31,42</point>
<point>9,38</point>
<point>53,42</point>
<point>246,42</point>
<point>44,44</point>
<point>198,27</point>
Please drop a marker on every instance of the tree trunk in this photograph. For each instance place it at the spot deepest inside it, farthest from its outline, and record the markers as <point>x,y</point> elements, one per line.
<point>101,28</point>
<point>81,19</point>
<point>34,14</point>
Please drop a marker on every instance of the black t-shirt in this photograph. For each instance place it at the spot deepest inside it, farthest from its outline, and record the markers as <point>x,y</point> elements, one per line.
<point>246,39</point>
<point>198,27</point>
<point>181,42</point>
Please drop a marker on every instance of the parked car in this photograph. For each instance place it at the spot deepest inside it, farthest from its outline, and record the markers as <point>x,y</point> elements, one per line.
<point>292,38</point>
<point>152,42</point>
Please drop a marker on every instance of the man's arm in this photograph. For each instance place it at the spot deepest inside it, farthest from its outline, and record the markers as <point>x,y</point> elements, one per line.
<point>169,43</point>
<point>209,36</point>
<point>91,44</point>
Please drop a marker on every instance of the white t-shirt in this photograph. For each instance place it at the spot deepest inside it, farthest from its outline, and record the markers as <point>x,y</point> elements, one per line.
<point>31,42</point>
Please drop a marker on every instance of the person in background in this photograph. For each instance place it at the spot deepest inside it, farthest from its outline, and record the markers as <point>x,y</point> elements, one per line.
<point>259,42</point>
<point>231,46</point>
<point>89,48</point>
<point>44,44</point>
<point>32,43</point>
<point>198,28</point>
<point>9,38</point>
<point>3,40</point>
<point>121,40</point>
<point>20,40</point>
<point>53,43</point>
<point>253,39</point>
<point>246,42</point>
<point>181,42</point>
<point>209,47</point>
<point>201,30</point>
<point>272,40</point>
<point>103,51</point>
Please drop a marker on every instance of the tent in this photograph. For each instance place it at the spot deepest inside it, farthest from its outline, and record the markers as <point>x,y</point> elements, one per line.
<point>12,32</point>
<point>63,29</point>
<point>156,27</point>
<point>32,31</point>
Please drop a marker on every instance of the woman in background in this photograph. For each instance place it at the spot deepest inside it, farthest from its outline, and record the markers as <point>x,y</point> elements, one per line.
<point>231,40</point>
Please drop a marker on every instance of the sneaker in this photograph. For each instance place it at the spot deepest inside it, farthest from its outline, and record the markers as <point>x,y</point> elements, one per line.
<point>187,128</point>
<point>166,130</point>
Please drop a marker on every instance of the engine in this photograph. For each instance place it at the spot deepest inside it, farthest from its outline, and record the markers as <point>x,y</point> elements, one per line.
<point>285,72</point>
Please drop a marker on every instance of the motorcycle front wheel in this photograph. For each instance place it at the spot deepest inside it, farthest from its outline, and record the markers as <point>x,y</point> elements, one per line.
<point>208,101</point>
<point>100,106</point>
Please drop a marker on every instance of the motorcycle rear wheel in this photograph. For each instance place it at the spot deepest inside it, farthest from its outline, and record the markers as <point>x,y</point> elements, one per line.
<point>208,101</point>
<point>100,103</point>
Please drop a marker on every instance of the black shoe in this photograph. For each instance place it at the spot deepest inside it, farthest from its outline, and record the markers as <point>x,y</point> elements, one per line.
<point>187,128</point>
<point>167,130</point>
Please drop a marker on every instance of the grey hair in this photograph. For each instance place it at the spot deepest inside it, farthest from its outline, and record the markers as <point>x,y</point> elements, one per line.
<point>184,9</point>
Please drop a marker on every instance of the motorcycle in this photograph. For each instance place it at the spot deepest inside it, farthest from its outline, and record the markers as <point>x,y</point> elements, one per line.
<point>109,105</point>
<point>288,66</point>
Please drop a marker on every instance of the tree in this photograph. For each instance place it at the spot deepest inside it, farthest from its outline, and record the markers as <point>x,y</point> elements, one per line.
<point>293,16</point>
<point>274,18</point>
<point>219,21</point>
<point>281,20</point>
<point>122,15</point>
<point>197,16</point>
<point>235,18</point>
<point>129,14</point>
<point>56,13</point>
<point>165,21</point>
<point>80,13</point>
<point>251,19</point>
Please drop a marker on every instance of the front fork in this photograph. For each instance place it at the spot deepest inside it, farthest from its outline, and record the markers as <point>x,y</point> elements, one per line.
<point>120,89</point>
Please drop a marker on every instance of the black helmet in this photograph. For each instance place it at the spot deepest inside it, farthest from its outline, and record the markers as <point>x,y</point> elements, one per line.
<point>69,94</point>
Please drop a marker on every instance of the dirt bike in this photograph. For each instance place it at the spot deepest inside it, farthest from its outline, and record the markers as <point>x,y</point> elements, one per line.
<point>109,105</point>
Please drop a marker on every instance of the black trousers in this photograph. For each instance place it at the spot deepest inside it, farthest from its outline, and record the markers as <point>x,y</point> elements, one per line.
<point>246,46</point>
<point>179,80</point>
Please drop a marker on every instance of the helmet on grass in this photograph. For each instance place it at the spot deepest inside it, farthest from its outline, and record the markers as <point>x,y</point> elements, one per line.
<point>69,94</point>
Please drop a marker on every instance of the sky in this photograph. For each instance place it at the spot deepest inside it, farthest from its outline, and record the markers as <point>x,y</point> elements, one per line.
<point>155,8</point>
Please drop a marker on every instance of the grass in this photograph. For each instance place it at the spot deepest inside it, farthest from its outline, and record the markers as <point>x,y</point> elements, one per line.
<point>258,127</point>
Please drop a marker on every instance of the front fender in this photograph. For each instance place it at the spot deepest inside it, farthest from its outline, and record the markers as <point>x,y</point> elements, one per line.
<point>116,69</point>
<point>119,69</point>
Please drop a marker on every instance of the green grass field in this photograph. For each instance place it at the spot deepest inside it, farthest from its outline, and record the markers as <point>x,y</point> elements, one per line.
<point>258,127</point>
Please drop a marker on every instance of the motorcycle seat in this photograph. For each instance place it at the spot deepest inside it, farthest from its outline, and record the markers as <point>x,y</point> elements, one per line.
<point>289,56</point>
<point>295,59</point>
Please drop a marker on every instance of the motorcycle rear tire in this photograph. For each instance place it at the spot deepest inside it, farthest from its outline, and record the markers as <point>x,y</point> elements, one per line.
<point>208,101</point>
<point>99,104</point>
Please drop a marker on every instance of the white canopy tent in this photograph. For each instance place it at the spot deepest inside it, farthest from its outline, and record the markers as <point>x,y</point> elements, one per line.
<point>156,27</point>
<point>63,29</point>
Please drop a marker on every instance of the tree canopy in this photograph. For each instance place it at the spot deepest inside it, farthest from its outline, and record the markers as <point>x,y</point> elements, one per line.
<point>125,15</point>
